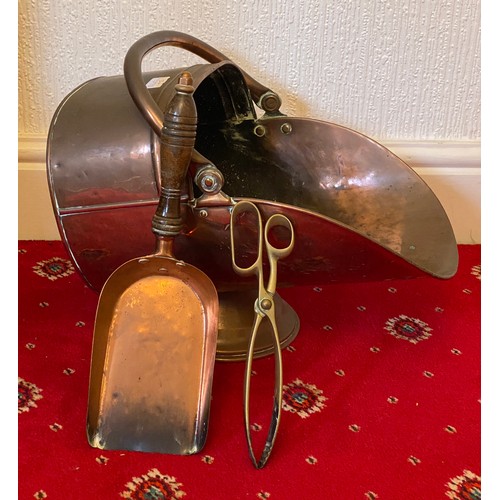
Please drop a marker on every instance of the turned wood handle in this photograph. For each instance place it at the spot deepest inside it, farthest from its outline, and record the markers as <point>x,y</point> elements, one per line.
<point>177,140</point>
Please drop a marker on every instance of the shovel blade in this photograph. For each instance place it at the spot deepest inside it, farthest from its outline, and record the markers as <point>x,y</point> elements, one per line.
<point>153,358</point>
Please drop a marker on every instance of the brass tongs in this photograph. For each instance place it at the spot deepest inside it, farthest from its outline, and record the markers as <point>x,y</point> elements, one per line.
<point>264,308</point>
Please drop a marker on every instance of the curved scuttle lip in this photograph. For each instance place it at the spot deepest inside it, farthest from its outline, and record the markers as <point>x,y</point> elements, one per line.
<point>342,176</point>
<point>360,212</point>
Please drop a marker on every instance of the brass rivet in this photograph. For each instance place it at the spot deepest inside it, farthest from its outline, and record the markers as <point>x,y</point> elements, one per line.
<point>259,131</point>
<point>286,128</point>
<point>266,304</point>
<point>271,103</point>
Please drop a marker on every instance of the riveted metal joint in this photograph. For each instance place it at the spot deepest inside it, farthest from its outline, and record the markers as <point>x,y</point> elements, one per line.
<point>270,102</point>
<point>266,304</point>
<point>209,179</point>
<point>259,130</point>
<point>286,128</point>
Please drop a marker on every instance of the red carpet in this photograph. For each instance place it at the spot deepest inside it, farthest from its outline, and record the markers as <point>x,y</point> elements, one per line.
<point>382,397</point>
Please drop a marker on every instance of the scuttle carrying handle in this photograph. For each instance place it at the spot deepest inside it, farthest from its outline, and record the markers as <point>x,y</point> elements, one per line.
<point>265,98</point>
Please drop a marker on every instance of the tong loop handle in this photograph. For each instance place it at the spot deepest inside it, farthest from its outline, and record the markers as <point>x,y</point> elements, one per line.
<point>275,253</point>
<point>256,267</point>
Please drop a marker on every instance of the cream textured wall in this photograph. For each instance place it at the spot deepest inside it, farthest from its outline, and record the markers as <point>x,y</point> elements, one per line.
<point>392,69</point>
<point>404,72</point>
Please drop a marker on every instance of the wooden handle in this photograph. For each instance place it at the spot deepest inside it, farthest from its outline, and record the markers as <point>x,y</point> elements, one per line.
<point>177,141</point>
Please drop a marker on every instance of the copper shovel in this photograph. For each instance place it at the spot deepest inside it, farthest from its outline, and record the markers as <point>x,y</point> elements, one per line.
<point>156,325</point>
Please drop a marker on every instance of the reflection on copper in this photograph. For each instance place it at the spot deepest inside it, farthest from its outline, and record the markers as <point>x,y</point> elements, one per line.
<point>361,213</point>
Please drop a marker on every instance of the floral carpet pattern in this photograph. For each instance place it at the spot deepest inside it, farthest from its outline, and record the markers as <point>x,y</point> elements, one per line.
<point>381,397</point>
